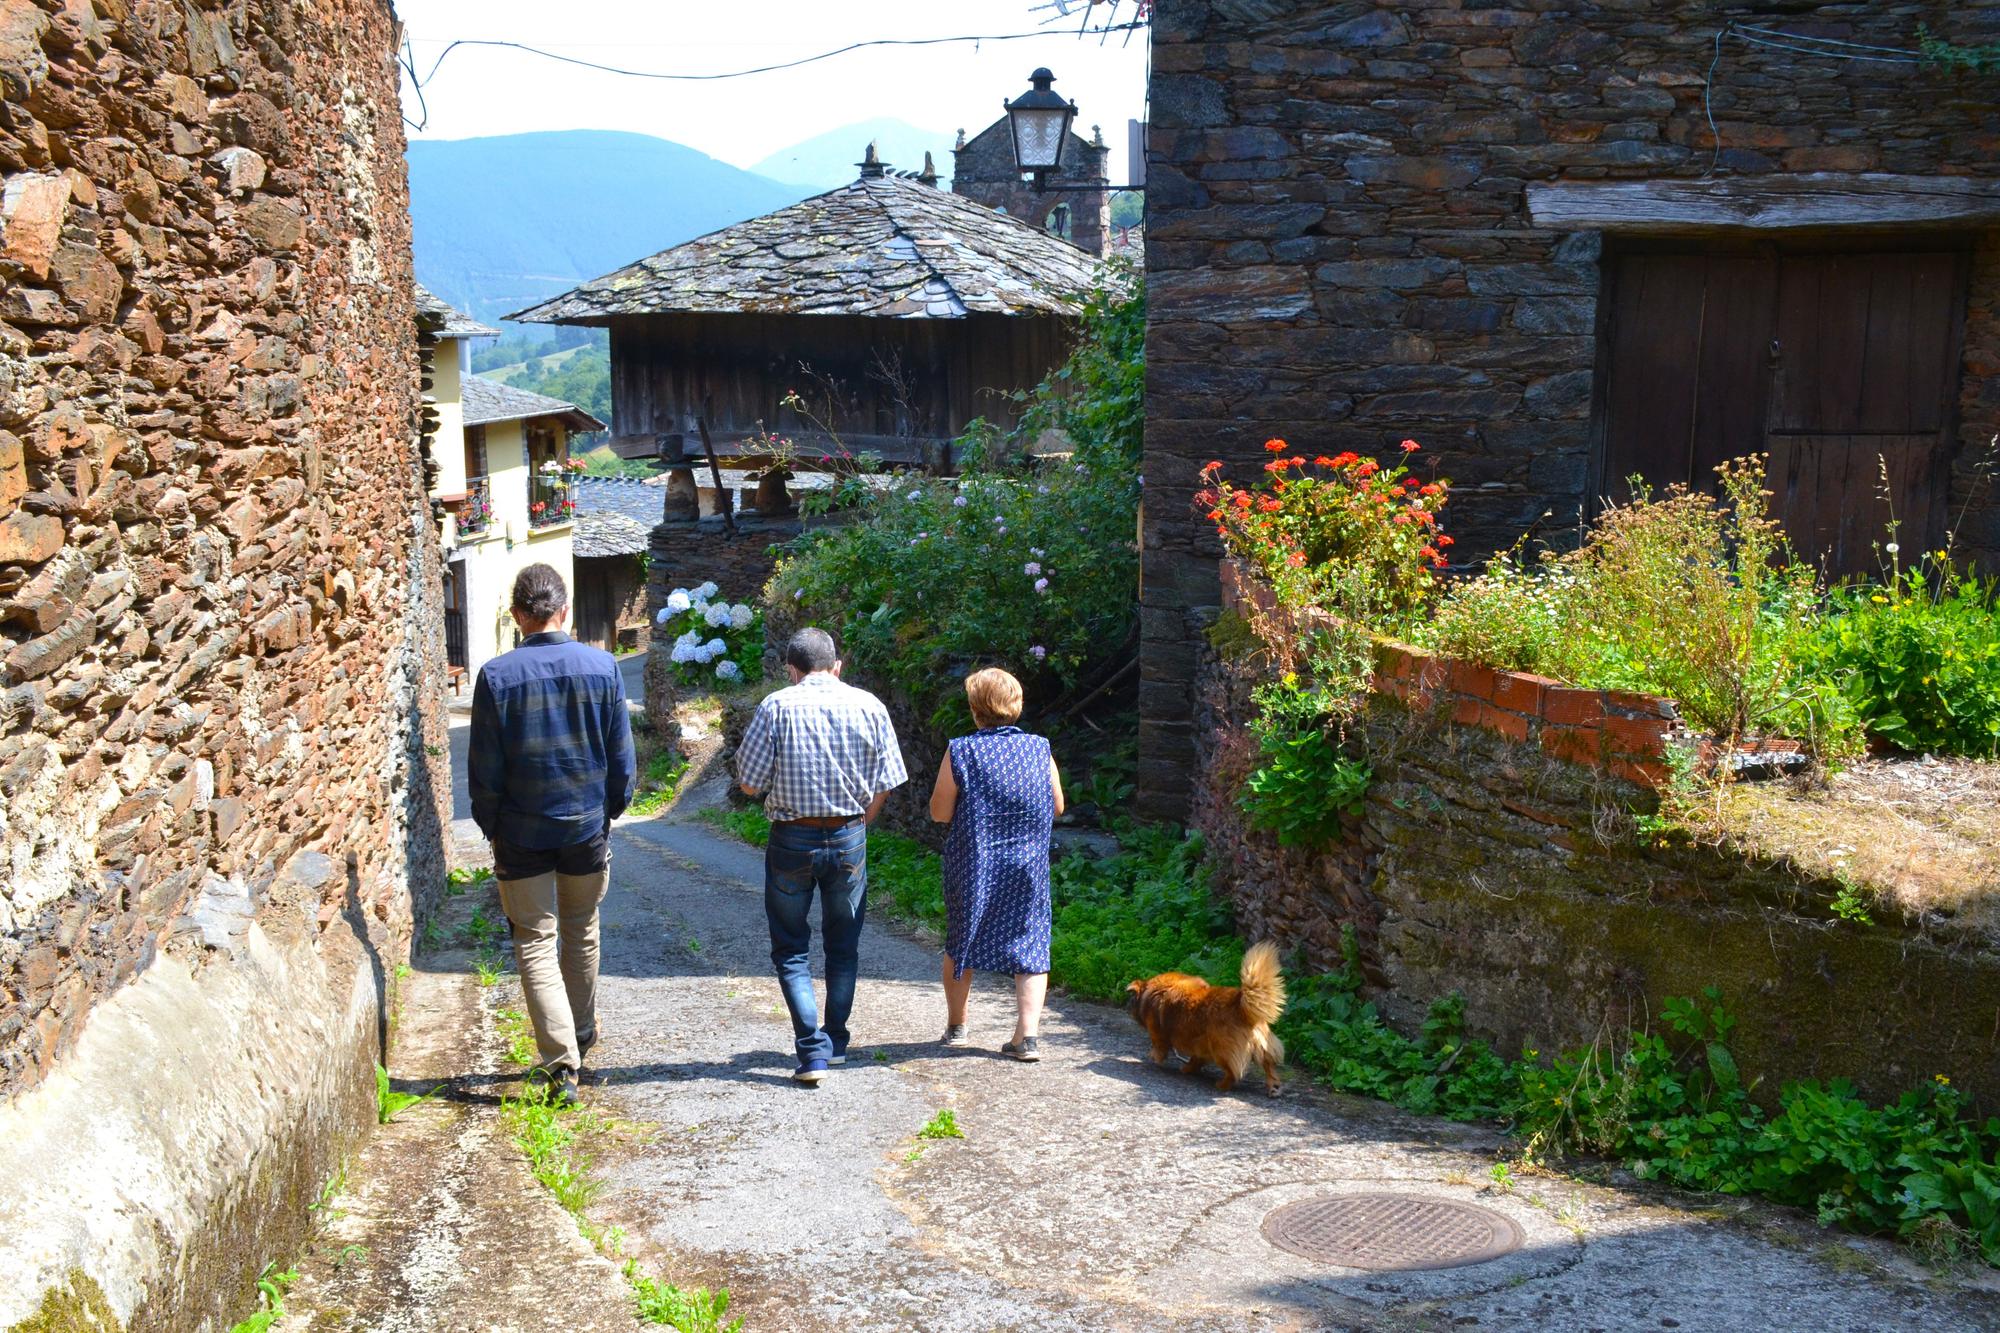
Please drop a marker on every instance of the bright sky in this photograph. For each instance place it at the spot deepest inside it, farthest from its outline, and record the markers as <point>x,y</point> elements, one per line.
<point>484,90</point>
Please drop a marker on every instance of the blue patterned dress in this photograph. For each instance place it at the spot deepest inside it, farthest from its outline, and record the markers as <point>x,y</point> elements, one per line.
<point>996,854</point>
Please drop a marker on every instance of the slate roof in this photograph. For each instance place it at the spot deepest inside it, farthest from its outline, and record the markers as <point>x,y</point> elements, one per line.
<point>883,246</point>
<point>446,321</point>
<point>487,401</point>
<point>632,497</point>
<point>599,534</point>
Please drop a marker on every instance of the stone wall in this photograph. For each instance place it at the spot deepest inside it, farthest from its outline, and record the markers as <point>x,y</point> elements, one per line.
<point>222,772</point>
<point>1339,249</point>
<point>984,171</point>
<point>1489,864</point>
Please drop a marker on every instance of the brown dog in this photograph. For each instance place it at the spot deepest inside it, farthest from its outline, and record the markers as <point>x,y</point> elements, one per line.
<point>1222,1025</point>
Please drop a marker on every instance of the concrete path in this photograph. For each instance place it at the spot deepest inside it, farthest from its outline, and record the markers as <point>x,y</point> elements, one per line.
<point>1094,1191</point>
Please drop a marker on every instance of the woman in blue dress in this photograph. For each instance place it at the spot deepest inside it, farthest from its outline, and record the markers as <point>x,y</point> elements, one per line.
<point>999,790</point>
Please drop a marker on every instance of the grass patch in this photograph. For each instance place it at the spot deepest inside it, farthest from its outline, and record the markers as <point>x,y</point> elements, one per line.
<point>482,929</point>
<point>389,1103</point>
<point>696,1310</point>
<point>547,1134</point>
<point>742,821</point>
<point>456,882</point>
<point>659,782</point>
<point>519,1035</point>
<point>943,1125</point>
<point>271,1288</point>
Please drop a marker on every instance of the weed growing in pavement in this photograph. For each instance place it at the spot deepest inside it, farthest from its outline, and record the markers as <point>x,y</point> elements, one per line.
<point>696,1310</point>
<point>456,881</point>
<point>350,1254</point>
<point>488,968</point>
<point>943,1125</point>
<point>482,929</point>
<point>333,1185</point>
<point>546,1133</point>
<point>659,781</point>
<point>271,1288</point>
<point>519,1036</point>
<point>389,1103</point>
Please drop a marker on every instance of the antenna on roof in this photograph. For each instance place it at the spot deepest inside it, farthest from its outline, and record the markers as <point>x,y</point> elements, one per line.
<point>871,165</point>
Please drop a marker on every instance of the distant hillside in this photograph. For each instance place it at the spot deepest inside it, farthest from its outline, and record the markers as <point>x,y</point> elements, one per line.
<point>827,160</point>
<point>506,221</point>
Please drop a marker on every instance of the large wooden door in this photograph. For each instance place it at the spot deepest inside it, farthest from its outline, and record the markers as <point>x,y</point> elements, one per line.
<point>1842,365</point>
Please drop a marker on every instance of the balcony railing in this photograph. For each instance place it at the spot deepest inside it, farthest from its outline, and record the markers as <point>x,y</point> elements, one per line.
<point>475,513</point>
<point>550,500</point>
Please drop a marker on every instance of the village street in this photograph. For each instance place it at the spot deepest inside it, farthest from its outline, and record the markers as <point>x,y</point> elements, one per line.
<point>1092,1191</point>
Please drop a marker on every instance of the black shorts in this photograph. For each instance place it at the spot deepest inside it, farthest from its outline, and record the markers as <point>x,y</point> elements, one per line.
<point>513,861</point>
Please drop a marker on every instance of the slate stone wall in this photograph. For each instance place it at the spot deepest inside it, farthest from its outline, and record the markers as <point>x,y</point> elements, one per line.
<point>218,579</point>
<point>222,749</point>
<point>1488,865</point>
<point>1339,250</point>
<point>985,172</point>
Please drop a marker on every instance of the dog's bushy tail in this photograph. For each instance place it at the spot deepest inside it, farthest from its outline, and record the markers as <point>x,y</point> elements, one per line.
<point>1263,994</point>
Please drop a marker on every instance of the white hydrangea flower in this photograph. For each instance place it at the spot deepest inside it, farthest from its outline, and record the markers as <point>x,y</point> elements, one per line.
<point>700,653</point>
<point>681,652</point>
<point>691,639</point>
<point>715,646</point>
<point>679,601</point>
<point>706,591</point>
<point>728,670</point>
<point>717,613</point>
<point>666,614</point>
<point>741,615</point>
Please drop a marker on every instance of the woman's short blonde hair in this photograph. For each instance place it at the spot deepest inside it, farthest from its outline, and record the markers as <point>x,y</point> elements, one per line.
<point>995,697</point>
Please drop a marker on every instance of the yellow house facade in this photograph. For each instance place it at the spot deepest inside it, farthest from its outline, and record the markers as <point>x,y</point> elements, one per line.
<point>505,484</point>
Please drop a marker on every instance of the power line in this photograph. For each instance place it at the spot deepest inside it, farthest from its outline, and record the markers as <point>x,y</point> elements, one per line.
<point>418,84</point>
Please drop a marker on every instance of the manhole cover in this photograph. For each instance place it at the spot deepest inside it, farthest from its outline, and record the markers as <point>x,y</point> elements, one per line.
<point>1396,1232</point>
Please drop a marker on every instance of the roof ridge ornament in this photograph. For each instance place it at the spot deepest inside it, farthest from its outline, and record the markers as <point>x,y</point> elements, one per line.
<point>872,166</point>
<point>928,175</point>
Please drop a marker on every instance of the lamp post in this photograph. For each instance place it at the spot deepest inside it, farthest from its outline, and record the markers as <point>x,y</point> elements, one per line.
<point>1039,120</point>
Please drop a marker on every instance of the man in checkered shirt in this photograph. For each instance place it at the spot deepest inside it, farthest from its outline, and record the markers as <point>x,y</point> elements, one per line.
<point>823,754</point>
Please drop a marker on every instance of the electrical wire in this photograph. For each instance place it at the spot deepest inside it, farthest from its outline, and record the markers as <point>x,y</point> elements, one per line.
<point>419,83</point>
<point>1825,48</point>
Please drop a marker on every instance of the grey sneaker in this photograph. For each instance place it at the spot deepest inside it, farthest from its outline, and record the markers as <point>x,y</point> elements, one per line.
<point>953,1035</point>
<point>1027,1050</point>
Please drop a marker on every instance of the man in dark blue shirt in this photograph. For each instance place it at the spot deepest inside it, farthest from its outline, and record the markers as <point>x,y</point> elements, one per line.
<point>551,766</point>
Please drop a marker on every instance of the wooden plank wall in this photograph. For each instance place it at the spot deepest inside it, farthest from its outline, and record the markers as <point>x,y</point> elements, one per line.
<point>667,369</point>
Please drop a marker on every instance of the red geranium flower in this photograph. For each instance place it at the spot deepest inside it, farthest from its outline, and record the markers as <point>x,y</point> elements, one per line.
<point>1274,446</point>
<point>1411,446</point>
<point>1213,466</point>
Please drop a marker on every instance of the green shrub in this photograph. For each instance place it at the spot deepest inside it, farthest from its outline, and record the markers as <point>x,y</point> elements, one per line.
<point>1919,658</point>
<point>658,781</point>
<point>1146,910</point>
<point>1685,595</point>
<point>1032,566</point>
<point>1303,786</point>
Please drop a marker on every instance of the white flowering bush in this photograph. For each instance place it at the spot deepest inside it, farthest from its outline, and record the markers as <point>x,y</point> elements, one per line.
<point>714,642</point>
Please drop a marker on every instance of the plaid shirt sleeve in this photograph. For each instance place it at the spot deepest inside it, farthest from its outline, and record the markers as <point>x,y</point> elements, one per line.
<point>757,757</point>
<point>889,770</point>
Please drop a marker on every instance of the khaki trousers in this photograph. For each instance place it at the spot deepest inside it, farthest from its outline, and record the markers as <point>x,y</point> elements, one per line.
<point>555,946</point>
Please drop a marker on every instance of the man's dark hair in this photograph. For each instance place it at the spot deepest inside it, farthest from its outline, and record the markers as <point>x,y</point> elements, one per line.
<point>539,594</point>
<point>810,650</point>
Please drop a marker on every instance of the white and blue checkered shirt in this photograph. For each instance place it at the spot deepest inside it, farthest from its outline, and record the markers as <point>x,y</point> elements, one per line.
<point>820,748</point>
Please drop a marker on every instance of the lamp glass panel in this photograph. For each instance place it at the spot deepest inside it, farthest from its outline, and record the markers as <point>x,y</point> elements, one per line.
<point>1038,138</point>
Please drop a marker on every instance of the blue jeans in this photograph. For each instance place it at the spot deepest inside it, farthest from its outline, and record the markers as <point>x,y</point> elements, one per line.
<point>835,861</point>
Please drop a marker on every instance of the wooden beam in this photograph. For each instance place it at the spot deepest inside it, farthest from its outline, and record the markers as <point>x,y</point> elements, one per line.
<point>1773,202</point>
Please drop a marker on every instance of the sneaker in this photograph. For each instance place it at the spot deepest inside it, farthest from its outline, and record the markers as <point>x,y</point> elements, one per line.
<point>809,1072</point>
<point>584,1041</point>
<point>1027,1050</point>
<point>837,1059</point>
<point>562,1087</point>
<point>953,1035</point>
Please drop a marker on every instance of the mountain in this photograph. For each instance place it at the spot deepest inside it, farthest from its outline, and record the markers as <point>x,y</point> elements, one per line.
<point>506,221</point>
<point>827,160</point>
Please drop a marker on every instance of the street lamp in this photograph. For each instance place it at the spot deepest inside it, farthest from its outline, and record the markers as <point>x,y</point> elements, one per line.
<point>1039,120</point>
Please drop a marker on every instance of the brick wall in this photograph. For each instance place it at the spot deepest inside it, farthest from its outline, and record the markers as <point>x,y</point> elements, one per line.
<point>1339,249</point>
<point>221,743</point>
